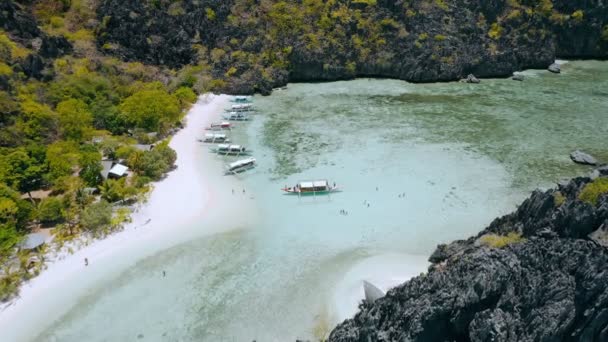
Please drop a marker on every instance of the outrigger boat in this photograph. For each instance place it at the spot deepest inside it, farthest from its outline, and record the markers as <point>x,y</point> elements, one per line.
<point>243,107</point>
<point>219,126</point>
<point>237,116</point>
<point>317,187</point>
<point>242,99</point>
<point>215,138</point>
<point>230,150</point>
<point>240,166</point>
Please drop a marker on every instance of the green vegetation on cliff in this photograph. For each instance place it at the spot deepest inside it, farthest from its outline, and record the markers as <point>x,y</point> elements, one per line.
<point>65,107</point>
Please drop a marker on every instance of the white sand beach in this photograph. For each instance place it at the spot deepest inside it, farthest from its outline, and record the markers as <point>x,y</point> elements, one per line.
<point>193,201</point>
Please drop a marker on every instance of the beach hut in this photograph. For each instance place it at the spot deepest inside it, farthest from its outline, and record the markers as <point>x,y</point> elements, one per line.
<point>32,241</point>
<point>112,169</point>
<point>118,171</point>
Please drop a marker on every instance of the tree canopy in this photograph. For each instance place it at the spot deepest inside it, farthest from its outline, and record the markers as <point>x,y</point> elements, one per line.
<point>151,109</point>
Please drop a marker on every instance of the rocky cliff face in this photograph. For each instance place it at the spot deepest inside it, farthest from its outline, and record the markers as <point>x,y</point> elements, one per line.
<point>550,286</point>
<point>415,40</point>
<point>17,21</point>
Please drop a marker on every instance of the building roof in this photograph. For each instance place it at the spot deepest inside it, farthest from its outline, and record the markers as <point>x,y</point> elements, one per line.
<point>143,147</point>
<point>38,194</point>
<point>119,170</point>
<point>32,241</point>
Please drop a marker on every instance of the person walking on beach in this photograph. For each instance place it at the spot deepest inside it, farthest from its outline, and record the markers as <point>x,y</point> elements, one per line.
<point>86,262</point>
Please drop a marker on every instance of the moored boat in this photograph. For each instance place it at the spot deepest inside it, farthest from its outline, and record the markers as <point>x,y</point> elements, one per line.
<point>243,107</point>
<point>219,126</point>
<point>316,187</point>
<point>230,150</point>
<point>236,116</point>
<point>242,99</point>
<point>240,166</point>
<point>215,138</point>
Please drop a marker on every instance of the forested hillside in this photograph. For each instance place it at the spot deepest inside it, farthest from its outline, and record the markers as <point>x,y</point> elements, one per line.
<point>64,107</point>
<point>254,45</point>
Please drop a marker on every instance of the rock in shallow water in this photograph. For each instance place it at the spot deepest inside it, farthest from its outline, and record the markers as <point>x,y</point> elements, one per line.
<point>518,77</point>
<point>581,157</point>
<point>471,79</point>
<point>555,68</point>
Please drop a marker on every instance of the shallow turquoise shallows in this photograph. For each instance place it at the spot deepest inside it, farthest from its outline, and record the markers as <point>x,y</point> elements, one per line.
<point>418,165</point>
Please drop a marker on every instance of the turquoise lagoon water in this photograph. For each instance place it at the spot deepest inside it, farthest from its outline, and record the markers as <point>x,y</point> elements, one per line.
<point>461,154</point>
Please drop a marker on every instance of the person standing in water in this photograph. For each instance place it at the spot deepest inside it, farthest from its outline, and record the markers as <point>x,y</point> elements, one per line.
<point>86,262</point>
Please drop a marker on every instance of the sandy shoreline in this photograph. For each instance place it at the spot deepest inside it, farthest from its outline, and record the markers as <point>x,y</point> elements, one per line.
<point>193,201</point>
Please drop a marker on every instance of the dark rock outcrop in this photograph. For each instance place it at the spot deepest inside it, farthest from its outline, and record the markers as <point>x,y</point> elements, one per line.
<point>551,286</point>
<point>471,79</point>
<point>417,41</point>
<point>581,157</point>
<point>22,27</point>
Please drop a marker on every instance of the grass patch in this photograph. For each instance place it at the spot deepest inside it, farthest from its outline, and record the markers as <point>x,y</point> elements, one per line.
<point>495,31</point>
<point>594,190</point>
<point>558,198</point>
<point>500,241</point>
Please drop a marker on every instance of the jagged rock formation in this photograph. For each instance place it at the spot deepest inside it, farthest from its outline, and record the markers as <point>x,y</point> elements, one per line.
<point>416,40</point>
<point>16,20</point>
<point>552,286</point>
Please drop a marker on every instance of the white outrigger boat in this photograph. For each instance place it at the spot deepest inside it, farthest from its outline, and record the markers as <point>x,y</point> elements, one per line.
<point>237,116</point>
<point>230,150</point>
<point>317,187</point>
<point>240,166</point>
<point>220,126</point>
<point>242,99</point>
<point>243,107</point>
<point>215,138</point>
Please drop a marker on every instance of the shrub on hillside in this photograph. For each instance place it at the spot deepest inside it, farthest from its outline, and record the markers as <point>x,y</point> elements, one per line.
<point>592,191</point>
<point>500,241</point>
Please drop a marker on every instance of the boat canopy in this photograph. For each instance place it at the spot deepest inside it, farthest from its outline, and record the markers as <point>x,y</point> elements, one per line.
<point>215,136</point>
<point>221,124</point>
<point>241,163</point>
<point>241,106</point>
<point>227,147</point>
<point>314,184</point>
